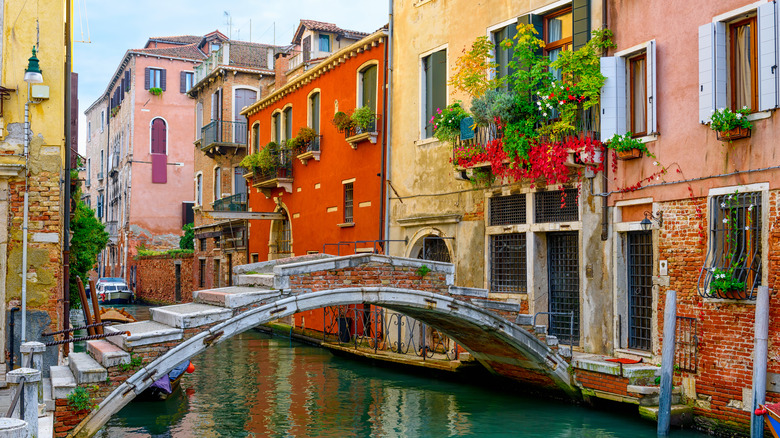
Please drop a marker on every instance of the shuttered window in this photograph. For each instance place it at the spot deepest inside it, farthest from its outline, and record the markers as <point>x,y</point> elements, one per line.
<point>288,130</point>
<point>186,79</point>
<point>314,112</point>
<point>159,152</point>
<point>503,56</point>
<point>434,91</point>
<point>154,78</point>
<point>256,138</point>
<point>368,87</point>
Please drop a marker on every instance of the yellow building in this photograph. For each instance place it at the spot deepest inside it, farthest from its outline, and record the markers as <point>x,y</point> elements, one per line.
<point>36,170</point>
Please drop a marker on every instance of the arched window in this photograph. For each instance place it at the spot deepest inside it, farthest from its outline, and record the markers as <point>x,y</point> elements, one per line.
<point>217,184</point>
<point>282,236</point>
<point>159,136</point>
<point>256,138</point>
<point>314,112</point>
<point>435,249</point>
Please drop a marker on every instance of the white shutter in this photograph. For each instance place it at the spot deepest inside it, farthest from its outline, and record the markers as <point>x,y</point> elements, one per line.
<point>613,97</point>
<point>721,66</point>
<point>706,72</point>
<point>652,120</point>
<point>767,56</point>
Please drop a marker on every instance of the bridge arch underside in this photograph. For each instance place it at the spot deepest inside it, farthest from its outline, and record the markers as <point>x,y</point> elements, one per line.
<point>501,346</point>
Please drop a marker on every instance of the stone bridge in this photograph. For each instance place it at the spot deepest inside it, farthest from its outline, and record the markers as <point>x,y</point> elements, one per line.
<point>484,327</point>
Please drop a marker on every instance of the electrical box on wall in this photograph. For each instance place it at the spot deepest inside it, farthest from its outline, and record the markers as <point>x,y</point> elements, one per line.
<point>39,92</point>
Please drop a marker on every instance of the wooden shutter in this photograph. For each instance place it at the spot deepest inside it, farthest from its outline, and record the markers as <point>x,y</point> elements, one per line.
<point>580,11</point>
<point>158,136</point>
<point>162,79</point>
<point>147,71</point>
<point>652,119</point>
<point>182,82</point>
<point>613,97</point>
<point>159,168</point>
<point>712,69</point>
<point>767,56</point>
<point>307,48</point>
<point>122,90</point>
<point>127,80</point>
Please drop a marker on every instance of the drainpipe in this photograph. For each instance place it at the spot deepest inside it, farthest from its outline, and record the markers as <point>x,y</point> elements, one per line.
<point>66,216</point>
<point>388,126</point>
<point>759,361</point>
<point>25,212</point>
<point>604,174</point>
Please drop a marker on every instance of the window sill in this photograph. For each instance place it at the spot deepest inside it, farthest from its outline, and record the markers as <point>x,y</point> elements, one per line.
<point>729,301</point>
<point>761,115</point>
<point>648,138</point>
<point>425,141</point>
<point>346,225</point>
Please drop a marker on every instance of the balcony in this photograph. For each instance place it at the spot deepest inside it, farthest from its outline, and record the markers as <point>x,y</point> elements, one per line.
<point>309,150</point>
<point>236,202</point>
<point>302,58</point>
<point>356,135</point>
<point>222,136</point>
<point>280,175</point>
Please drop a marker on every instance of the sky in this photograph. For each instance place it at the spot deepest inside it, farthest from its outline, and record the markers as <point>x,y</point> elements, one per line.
<point>112,27</point>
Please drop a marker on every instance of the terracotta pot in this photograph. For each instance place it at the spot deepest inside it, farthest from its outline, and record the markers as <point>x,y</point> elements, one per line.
<point>629,154</point>
<point>734,134</point>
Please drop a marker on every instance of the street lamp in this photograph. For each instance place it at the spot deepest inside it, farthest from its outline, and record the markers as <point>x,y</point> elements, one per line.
<point>32,74</point>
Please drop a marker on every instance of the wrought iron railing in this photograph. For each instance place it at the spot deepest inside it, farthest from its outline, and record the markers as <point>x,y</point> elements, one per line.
<point>375,328</point>
<point>282,167</point>
<point>223,132</point>
<point>235,202</point>
<point>686,344</point>
<point>312,146</point>
<point>372,127</point>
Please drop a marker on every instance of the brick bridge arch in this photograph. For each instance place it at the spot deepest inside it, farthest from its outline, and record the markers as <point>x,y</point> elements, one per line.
<point>490,336</point>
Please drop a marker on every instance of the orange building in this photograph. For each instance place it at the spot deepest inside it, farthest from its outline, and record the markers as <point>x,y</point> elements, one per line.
<point>326,191</point>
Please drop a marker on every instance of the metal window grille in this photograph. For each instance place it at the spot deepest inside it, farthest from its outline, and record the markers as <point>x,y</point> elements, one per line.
<point>434,248</point>
<point>508,263</point>
<point>556,206</point>
<point>507,210</point>
<point>735,244</point>
<point>283,237</point>
<point>686,344</point>
<point>564,280</point>
<point>202,273</point>
<point>348,193</point>
<point>640,290</point>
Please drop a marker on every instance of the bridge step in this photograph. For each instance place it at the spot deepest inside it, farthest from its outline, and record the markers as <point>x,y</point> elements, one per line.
<point>143,333</point>
<point>62,381</point>
<point>235,296</point>
<point>86,369</point>
<point>108,354</point>
<point>190,315</point>
<point>264,280</point>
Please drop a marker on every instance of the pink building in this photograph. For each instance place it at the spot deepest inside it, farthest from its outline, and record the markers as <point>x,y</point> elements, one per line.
<point>140,136</point>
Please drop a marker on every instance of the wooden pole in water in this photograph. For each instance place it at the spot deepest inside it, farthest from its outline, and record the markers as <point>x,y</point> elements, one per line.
<point>95,306</point>
<point>667,364</point>
<point>85,307</point>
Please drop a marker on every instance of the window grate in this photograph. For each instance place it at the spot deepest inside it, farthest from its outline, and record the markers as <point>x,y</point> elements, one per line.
<point>283,236</point>
<point>563,268</point>
<point>686,344</point>
<point>556,206</point>
<point>640,290</point>
<point>434,248</point>
<point>508,263</point>
<point>735,244</point>
<point>507,210</point>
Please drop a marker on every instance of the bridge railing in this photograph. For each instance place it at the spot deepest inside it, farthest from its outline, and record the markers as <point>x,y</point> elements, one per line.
<point>374,328</point>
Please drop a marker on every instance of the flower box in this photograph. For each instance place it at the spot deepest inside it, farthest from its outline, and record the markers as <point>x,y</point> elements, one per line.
<point>629,154</point>
<point>592,158</point>
<point>734,134</point>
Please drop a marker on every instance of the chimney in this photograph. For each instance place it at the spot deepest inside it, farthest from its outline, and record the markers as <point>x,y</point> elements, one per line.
<point>280,69</point>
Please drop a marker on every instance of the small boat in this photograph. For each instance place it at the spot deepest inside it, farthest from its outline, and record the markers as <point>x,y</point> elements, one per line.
<point>772,413</point>
<point>163,387</point>
<point>121,316</point>
<point>114,293</point>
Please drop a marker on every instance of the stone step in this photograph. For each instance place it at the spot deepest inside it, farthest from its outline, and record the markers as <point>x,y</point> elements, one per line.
<point>190,315</point>
<point>142,333</point>
<point>261,280</point>
<point>681,415</point>
<point>62,382</point>
<point>235,296</point>
<point>47,394</point>
<point>650,395</point>
<point>108,354</point>
<point>86,369</point>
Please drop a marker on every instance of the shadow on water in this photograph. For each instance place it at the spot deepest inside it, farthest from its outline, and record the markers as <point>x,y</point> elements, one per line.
<point>257,385</point>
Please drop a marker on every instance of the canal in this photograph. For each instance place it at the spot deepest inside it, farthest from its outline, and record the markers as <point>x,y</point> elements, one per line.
<point>263,386</point>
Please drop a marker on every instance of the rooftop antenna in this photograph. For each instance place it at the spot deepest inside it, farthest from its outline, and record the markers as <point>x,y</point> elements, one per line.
<point>229,24</point>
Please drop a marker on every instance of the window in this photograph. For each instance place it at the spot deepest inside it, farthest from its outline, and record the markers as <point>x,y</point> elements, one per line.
<point>102,120</point>
<point>314,112</point>
<point>155,78</point>
<point>556,206</point>
<point>202,244</point>
<point>102,161</point>
<point>367,90</point>
<point>159,136</point>
<point>503,56</point>
<point>202,273</point>
<point>89,171</point>
<point>557,36</point>
<point>288,129</point>
<point>239,182</point>
<point>508,263</point>
<point>283,236</point>
<point>324,43</point>
<point>348,202</point>
<point>199,120</point>
<point>628,96</point>
<point>276,125</point>
<point>507,210</point>
<point>89,131</point>
<point>434,92</point>
<point>256,138</point>
<point>737,64</point>
<point>199,189</point>
<point>217,183</point>
<point>216,241</point>
<point>187,80</point>
<point>736,242</point>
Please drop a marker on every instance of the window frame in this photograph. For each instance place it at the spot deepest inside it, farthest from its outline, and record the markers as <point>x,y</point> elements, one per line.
<point>731,29</point>
<point>276,126</point>
<point>155,77</point>
<point>255,134</point>
<point>320,38</point>
<point>349,202</point>
<point>424,116</point>
<point>189,80</point>
<point>360,79</point>
<point>199,188</point>
<point>167,131</point>
<point>563,42</point>
<point>630,64</point>
<point>310,110</point>
<point>217,183</point>
<point>287,121</point>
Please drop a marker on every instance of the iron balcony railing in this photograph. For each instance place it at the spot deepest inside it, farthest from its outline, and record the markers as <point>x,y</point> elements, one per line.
<point>312,146</point>
<point>282,167</point>
<point>304,57</point>
<point>223,132</point>
<point>235,202</point>
<point>100,175</point>
<point>372,127</point>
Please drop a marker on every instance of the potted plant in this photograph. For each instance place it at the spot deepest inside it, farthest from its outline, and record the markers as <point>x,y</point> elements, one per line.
<point>364,119</point>
<point>446,122</point>
<point>342,121</point>
<point>731,125</point>
<point>627,147</point>
<point>156,91</point>
<point>725,285</point>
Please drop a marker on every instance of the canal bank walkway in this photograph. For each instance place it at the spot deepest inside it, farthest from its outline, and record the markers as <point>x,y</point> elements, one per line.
<point>45,421</point>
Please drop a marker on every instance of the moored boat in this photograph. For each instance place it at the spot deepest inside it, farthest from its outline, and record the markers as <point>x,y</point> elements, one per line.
<point>163,387</point>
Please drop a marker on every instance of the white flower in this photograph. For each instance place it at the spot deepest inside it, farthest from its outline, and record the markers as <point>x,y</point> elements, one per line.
<point>544,114</point>
<point>750,208</point>
<point>725,220</point>
<point>747,228</point>
<point>722,205</point>
<point>739,116</point>
<point>655,163</point>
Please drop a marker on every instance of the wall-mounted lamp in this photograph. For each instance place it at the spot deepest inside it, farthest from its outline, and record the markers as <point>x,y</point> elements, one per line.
<point>647,222</point>
<point>33,74</point>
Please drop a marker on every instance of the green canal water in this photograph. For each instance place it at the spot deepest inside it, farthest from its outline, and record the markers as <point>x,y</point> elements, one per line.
<point>256,385</point>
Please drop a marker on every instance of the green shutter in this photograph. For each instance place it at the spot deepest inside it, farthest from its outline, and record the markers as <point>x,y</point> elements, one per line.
<point>435,67</point>
<point>537,21</point>
<point>581,23</point>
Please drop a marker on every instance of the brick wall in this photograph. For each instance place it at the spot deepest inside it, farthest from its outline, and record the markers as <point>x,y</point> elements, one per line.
<point>370,275</point>
<point>602,382</point>
<point>156,278</point>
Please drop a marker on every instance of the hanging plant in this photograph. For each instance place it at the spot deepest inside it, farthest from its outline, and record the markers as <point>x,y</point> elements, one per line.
<point>156,91</point>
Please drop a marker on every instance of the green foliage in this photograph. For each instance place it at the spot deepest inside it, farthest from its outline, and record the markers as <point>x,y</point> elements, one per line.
<point>363,118</point>
<point>89,238</point>
<point>423,270</point>
<point>80,400</point>
<point>518,137</point>
<point>625,143</point>
<point>725,119</point>
<point>473,68</point>
<point>582,68</point>
<point>135,363</point>
<point>492,105</point>
<point>156,91</point>
<point>169,252</point>
<point>342,121</point>
<point>265,159</point>
<point>723,280</point>
<point>187,241</point>
<point>446,122</point>
<point>306,134</point>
